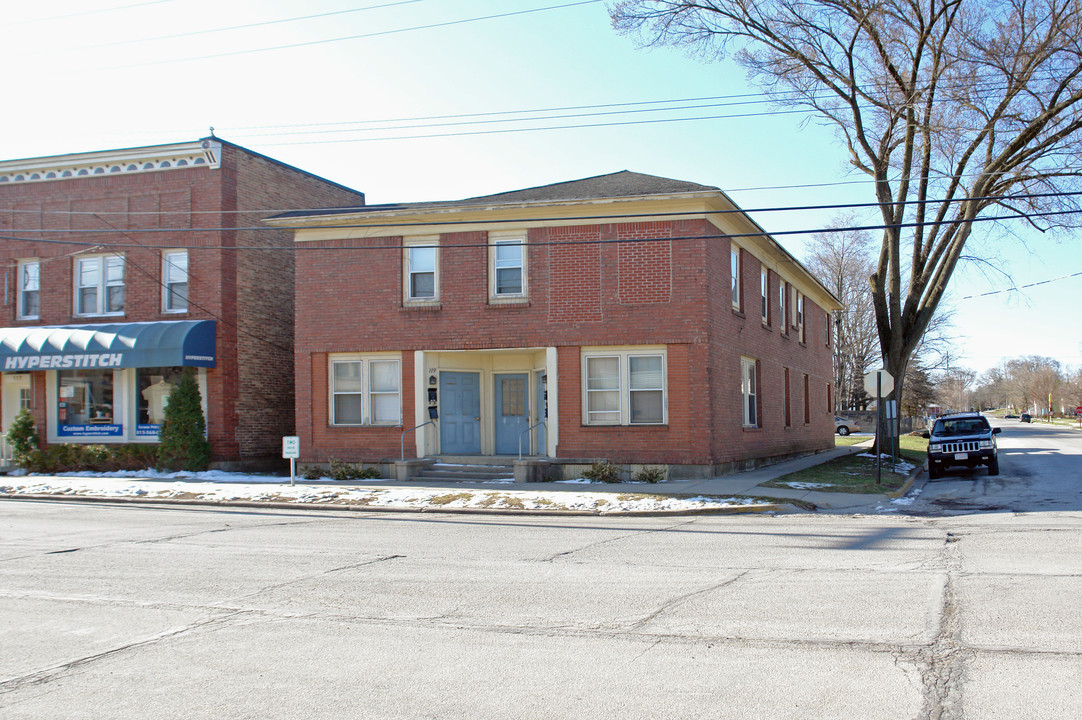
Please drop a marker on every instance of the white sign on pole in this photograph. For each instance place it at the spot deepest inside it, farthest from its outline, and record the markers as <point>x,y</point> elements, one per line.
<point>291,447</point>
<point>887,382</point>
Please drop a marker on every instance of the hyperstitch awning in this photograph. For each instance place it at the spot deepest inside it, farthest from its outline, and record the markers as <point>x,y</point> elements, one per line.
<point>113,345</point>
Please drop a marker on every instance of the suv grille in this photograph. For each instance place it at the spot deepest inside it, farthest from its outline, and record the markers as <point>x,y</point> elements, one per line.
<point>960,447</point>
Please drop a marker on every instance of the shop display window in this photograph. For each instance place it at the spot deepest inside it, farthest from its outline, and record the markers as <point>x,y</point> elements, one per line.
<point>152,389</point>
<point>85,406</point>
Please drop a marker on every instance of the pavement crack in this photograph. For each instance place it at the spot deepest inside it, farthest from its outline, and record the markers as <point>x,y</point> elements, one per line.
<point>673,602</point>
<point>943,662</point>
<point>637,533</point>
<point>305,578</point>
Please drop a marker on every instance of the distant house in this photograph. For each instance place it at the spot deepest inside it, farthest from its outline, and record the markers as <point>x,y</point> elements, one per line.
<point>626,317</point>
<point>123,267</point>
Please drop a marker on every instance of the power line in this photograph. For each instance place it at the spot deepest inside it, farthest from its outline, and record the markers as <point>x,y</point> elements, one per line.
<point>311,43</point>
<point>364,208</point>
<point>210,31</point>
<point>1019,288</point>
<point>307,247</point>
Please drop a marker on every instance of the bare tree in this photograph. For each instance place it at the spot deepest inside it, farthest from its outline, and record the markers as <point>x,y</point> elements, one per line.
<point>952,107</point>
<point>953,387</point>
<point>1033,380</point>
<point>843,261</point>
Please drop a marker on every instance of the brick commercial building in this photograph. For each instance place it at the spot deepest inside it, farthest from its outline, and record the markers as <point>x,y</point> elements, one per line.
<point>124,266</point>
<point>625,317</point>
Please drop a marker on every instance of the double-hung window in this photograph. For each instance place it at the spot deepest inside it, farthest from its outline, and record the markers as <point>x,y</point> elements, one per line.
<point>99,285</point>
<point>748,392</point>
<point>175,281</point>
<point>783,306</point>
<point>624,387</point>
<point>734,267</point>
<point>29,289</point>
<point>764,288</point>
<point>507,265</point>
<point>365,390</point>
<point>421,264</point>
<point>800,316</point>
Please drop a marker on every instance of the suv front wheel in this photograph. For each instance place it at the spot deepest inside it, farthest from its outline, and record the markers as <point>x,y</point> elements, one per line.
<point>993,467</point>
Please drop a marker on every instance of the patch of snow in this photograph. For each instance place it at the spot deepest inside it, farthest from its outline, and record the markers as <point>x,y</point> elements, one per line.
<point>806,485</point>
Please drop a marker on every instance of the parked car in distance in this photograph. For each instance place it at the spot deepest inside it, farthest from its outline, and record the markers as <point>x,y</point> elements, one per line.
<point>1025,417</point>
<point>1010,416</point>
<point>843,426</point>
<point>962,439</point>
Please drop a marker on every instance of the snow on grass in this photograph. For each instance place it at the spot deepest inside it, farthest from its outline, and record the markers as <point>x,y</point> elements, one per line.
<point>217,486</point>
<point>797,485</point>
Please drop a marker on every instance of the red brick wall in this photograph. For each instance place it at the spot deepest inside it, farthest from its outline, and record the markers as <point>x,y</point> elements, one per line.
<point>585,289</point>
<point>250,391</point>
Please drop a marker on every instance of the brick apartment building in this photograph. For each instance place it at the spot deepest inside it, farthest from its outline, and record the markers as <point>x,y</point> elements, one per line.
<point>122,267</point>
<point>626,317</point>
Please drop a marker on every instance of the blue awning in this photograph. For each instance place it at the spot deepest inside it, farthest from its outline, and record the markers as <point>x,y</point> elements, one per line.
<point>114,345</point>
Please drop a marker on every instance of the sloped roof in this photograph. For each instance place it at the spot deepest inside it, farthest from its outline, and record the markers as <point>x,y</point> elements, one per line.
<point>613,185</point>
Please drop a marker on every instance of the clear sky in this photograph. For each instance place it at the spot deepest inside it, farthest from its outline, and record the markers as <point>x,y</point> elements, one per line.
<point>412,100</point>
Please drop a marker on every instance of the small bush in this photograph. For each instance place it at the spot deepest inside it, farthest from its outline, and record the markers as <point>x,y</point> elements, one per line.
<point>351,471</point>
<point>183,436</point>
<point>311,472</point>
<point>603,471</point>
<point>23,435</point>
<point>95,458</point>
<point>650,475</point>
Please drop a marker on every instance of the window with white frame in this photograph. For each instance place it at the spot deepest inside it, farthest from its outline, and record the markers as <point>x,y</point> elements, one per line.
<point>175,281</point>
<point>734,266</point>
<point>800,316</point>
<point>783,306</point>
<point>365,390</point>
<point>29,289</point>
<point>624,387</point>
<point>507,265</point>
<point>764,288</point>
<point>99,285</point>
<point>748,392</point>
<point>421,263</point>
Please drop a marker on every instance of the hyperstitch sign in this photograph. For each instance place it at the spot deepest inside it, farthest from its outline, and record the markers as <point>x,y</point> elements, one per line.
<point>64,362</point>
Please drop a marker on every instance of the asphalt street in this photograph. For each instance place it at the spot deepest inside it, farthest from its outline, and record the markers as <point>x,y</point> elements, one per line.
<point>181,612</point>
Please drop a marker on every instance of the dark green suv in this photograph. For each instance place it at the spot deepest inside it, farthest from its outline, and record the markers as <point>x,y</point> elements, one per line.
<point>963,439</point>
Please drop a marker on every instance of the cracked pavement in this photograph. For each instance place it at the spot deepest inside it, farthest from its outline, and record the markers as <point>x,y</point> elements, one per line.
<point>137,611</point>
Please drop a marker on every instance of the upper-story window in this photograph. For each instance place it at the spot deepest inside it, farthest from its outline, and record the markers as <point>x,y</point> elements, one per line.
<point>29,289</point>
<point>99,285</point>
<point>421,264</point>
<point>507,265</point>
<point>734,266</point>
<point>783,306</point>
<point>175,281</point>
<point>764,288</point>
<point>800,316</point>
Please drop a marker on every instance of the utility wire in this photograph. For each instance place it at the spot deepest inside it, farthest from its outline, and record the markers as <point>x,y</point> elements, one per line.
<point>308,247</point>
<point>310,43</point>
<point>466,207</point>
<point>1019,288</point>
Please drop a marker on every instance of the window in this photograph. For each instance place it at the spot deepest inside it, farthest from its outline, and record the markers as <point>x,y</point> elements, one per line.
<point>748,392</point>
<point>624,388</point>
<point>29,289</point>
<point>365,390</point>
<point>788,401</point>
<point>783,306</point>
<point>800,316</point>
<point>421,262</point>
<point>507,265</point>
<point>175,281</point>
<point>807,405</point>
<point>764,289</point>
<point>734,266</point>
<point>99,285</point>
<point>85,405</point>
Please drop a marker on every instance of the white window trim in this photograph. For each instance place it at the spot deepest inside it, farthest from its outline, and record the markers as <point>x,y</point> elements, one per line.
<point>800,316</point>
<point>366,393</point>
<point>749,392</point>
<point>507,237</point>
<point>166,264</point>
<point>623,355</point>
<point>420,241</point>
<point>102,287</point>
<point>735,269</point>
<point>21,310</point>
<point>764,288</point>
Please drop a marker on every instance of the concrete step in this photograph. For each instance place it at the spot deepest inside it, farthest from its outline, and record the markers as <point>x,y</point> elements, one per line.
<point>447,472</point>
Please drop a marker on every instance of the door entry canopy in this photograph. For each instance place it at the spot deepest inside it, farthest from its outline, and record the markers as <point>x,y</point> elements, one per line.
<point>168,343</point>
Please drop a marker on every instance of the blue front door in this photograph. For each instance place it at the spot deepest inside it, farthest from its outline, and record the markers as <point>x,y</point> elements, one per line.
<point>460,413</point>
<point>512,413</point>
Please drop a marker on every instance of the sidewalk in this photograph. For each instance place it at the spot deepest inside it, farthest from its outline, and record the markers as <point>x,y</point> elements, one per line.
<point>741,492</point>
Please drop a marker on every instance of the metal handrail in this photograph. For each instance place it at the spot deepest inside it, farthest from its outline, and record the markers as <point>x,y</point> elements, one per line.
<point>403,439</point>
<point>523,433</point>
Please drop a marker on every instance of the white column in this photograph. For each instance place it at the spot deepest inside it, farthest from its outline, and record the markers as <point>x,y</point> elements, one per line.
<point>552,427</point>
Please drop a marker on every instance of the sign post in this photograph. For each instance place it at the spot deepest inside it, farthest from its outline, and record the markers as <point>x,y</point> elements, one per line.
<point>879,382</point>
<point>291,449</point>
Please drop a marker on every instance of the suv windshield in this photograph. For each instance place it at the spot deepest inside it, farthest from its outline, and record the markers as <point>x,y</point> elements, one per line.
<point>961,426</point>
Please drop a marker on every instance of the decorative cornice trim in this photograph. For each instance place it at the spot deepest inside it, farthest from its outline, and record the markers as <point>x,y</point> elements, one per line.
<point>202,153</point>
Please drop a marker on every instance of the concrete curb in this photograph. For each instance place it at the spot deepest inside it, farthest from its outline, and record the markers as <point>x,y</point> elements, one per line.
<point>760,509</point>
<point>900,492</point>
